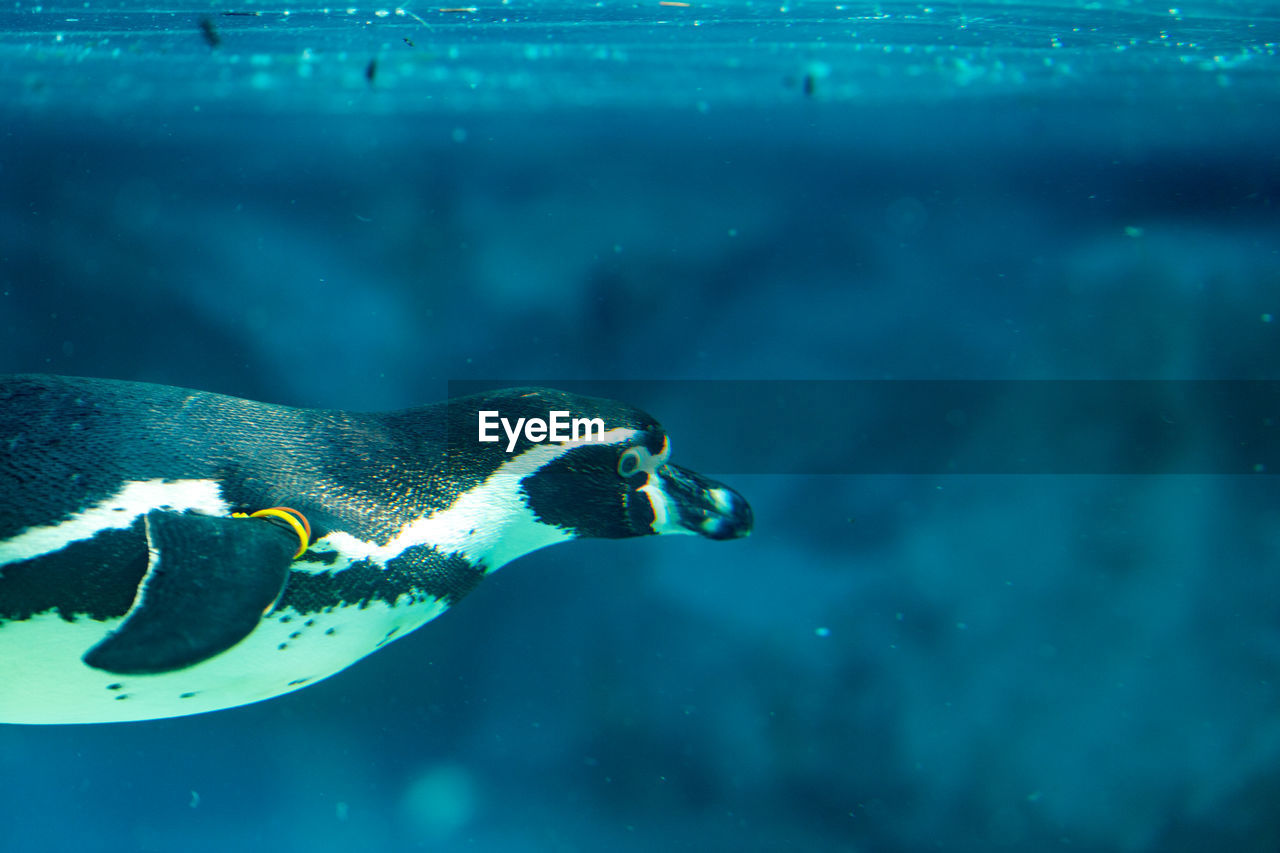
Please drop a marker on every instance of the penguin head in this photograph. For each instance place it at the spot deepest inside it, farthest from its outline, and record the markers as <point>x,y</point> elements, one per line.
<point>615,483</point>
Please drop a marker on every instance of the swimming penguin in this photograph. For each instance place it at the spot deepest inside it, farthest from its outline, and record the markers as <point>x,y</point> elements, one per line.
<point>166,551</point>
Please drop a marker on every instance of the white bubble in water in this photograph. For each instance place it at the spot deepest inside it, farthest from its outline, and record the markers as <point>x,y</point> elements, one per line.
<point>440,800</point>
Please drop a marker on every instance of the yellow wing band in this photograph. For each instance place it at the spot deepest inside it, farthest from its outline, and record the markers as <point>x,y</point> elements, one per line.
<point>289,516</point>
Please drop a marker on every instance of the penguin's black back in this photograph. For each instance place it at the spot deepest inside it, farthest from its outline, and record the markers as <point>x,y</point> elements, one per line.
<point>67,443</point>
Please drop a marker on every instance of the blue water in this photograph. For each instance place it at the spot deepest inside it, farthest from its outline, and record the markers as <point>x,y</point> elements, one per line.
<point>349,210</point>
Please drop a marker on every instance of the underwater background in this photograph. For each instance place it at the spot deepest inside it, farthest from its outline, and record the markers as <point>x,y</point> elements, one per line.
<point>352,208</point>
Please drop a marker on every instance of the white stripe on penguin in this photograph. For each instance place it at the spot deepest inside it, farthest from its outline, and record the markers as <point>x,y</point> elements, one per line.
<point>114,513</point>
<point>489,524</point>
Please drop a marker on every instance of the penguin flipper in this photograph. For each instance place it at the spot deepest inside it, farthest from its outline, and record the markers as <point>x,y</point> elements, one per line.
<point>208,584</point>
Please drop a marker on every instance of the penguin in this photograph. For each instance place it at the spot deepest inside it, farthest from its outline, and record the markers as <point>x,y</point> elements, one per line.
<point>166,551</point>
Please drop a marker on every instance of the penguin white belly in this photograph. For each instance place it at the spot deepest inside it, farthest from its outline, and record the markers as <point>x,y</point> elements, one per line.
<point>50,683</point>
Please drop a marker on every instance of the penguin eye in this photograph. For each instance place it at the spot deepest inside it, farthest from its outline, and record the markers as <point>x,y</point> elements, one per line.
<point>630,462</point>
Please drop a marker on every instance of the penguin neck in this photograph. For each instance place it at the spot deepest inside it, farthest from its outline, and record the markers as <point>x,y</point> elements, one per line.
<point>490,523</point>
<point>443,497</point>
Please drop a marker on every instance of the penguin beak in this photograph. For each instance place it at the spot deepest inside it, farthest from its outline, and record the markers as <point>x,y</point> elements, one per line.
<point>692,503</point>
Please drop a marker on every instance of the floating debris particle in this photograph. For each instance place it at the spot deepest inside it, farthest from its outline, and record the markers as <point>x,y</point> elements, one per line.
<point>210,32</point>
<point>409,42</point>
<point>371,70</point>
